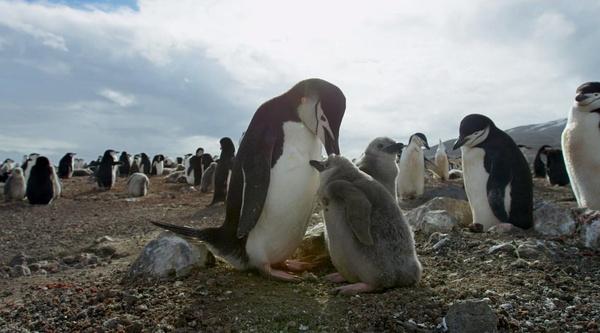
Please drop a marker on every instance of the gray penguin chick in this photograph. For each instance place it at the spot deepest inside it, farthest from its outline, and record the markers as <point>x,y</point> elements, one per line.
<point>379,162</point>
<point>369,242</point>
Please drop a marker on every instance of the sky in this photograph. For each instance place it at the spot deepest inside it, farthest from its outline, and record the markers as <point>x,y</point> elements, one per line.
<point>166,77</point>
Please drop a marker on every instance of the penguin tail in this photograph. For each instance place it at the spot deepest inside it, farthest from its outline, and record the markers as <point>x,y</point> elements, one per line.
<point>205,235</point>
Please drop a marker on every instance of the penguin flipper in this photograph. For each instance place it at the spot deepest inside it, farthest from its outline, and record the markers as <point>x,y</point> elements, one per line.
<point>500,177</point>
<point>357,208</point>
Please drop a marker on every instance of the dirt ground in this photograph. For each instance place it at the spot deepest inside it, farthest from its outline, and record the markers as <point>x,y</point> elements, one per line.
<point>558,291</point>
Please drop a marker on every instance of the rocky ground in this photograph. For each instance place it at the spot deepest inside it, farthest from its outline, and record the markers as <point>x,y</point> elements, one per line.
<point>63,268</point>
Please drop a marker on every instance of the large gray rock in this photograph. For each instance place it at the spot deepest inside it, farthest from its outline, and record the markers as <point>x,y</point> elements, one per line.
<point>436,221</point>
<point>169,256</point>
<point>458,209</point>
<point>552,220</point>
<point>471,317</point>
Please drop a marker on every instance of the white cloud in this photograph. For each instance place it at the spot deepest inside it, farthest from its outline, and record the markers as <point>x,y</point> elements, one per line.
<point>122,99</point>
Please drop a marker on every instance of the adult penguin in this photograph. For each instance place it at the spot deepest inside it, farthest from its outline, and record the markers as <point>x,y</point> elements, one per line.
<point>125,166</point>
<point>145,165</point>
<point>273,187</point>
<point>496,175</point>
<point>66,166</point>
<point>106,176</point>
<point>224,165</point>
<point>539,167</point>
<point>40,185</point>
<point>158,165</point>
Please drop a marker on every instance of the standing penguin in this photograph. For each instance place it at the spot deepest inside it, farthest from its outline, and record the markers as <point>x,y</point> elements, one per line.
<point>5,169</point>
<point>496,175</point>
<point>106,176</point>
<point>379,162</point>
<point>125,166</point>
<point>14,188</point>
<point>441,161</point>
<point>581,145</point>
<point>539,167</point>
<point>555,167</point>
<point>40,185</point>
<point>137,185</point>
<point>272,191</point>
<point>411,177</point>
<point>370,243</point>
<point>66,165</point>
<point>28,164</point>
<point>224,165</point>
<point>208,178</point>
<point>158,165</point>
<point>193,169</point>
<point>135,164</point>
<point>145,164</point>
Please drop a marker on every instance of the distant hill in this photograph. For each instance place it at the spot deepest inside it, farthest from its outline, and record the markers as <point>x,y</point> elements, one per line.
<point>533,136</point>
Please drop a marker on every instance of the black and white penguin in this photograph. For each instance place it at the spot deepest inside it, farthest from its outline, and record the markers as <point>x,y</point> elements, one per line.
<point>135,164</point>
<point>581,145</point>
<point>145,164</point>
<point>208,178</point>
<point>207,160</point>
<point>555,167</point>
<point>411,173</point>
<point>379,162</point>
<point>66,165</point>
<point>158,165</point>
<point>273,187</point>
<point>106,176</point>
<point>125,166</point>
<point>370,243</point>
<point>79,163</point>
<point>14,188</point>
<point>40,185</point>
<point>194,168</point>
<point>5,169</point>
<point>497,177</point>
<point>224,166</point>
<point>28,164</point>
<point>539,166</point>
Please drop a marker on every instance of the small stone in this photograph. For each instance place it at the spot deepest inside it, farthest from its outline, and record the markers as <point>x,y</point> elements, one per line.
<point>471,317</point>
<point>519,263</point>
<point>508,248</point>
<point>142,307</point>
<point>69,260</point>
<point>506,306</point>
<point>442,244</point>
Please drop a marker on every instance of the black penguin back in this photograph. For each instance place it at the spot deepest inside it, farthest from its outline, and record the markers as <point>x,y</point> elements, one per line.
<point>224,166</point>
<point>555,167</point>
<point>146,166</point>
<point>125,167</point>
<point>65,166</point>
<point>104,174</point>
<point>39,185</point>
<point>539,168</point>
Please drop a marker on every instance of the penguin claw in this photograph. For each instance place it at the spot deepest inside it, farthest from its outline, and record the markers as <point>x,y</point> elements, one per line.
<point>335,278</point>
<point>353,289</point>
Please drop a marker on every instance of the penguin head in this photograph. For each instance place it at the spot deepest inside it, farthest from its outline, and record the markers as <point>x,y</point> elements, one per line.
<point>335,167</point>
<point>227,145</point>
<point>474,129</point>
<point>17,172</point>
<point>384,146</point>
<point>419,139</point>
<point>110,155</point>
<point>587,98</point>
<point>42,166</point>
<point>199,151</point>
<point>321,106</point>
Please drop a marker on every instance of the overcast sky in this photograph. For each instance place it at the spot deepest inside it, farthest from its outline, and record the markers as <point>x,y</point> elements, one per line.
<point>168,76</point>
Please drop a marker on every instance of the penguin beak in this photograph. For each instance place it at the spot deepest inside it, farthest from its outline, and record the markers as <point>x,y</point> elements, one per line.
<point>581,97</point>
<point>331,144</point>
<point>427,145</point>
<point>461,141</point>
<point>394,148</point>
<point>320,166</point>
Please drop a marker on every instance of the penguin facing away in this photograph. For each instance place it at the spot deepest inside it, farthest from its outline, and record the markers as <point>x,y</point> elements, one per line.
<point>145,164</point>
<point>224,165</point>
<point>125,166</point>
<point>66,165</point>
<point>14,188</point>
<point>370,243</point>
<point>580,145</point>
<point>379,162</point>
<point>272,191</point>
<point>411,176</point>
<point>137,185</point>
<point>40,185</point>
<point>555,167</point>
<point>496,175</point>
<point>106,176</point>
<point>441,161</point>
<point>539,167</point>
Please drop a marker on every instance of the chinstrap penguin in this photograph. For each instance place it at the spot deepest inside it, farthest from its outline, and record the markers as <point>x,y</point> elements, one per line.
<point>66,165</point>
<point>411,175</point>
<point>224,165</point>
<point>125,166</point>
<point>379,162</point>
<point>40,185</point>
<point>370,243</point>
<point>497,177</point>
<point>158,165</point>
<point>555,167</point>
<point>273,188</point>
<point>106,176</point>
<point>145,164</point>
<point>5,169</point>
<point>539,166</point>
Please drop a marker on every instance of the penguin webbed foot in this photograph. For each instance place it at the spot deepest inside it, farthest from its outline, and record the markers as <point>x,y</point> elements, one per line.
<point>335,278</point>
<point>295,266</point>
<point>353,289</point>
<point>279,275</point>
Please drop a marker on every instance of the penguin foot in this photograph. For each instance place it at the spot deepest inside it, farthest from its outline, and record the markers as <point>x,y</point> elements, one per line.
<point>295,266</point>
<point>279,275</point>
<point>353,289</point>
<point>335,277</point>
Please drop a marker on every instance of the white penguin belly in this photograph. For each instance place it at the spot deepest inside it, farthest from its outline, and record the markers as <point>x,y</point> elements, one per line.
<point>580,141</point>
<point>290,198</point>
<point>411,176</point>
<point>476,178</point>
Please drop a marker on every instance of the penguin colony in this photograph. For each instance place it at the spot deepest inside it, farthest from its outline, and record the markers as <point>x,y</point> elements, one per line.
<point>269,187</point>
